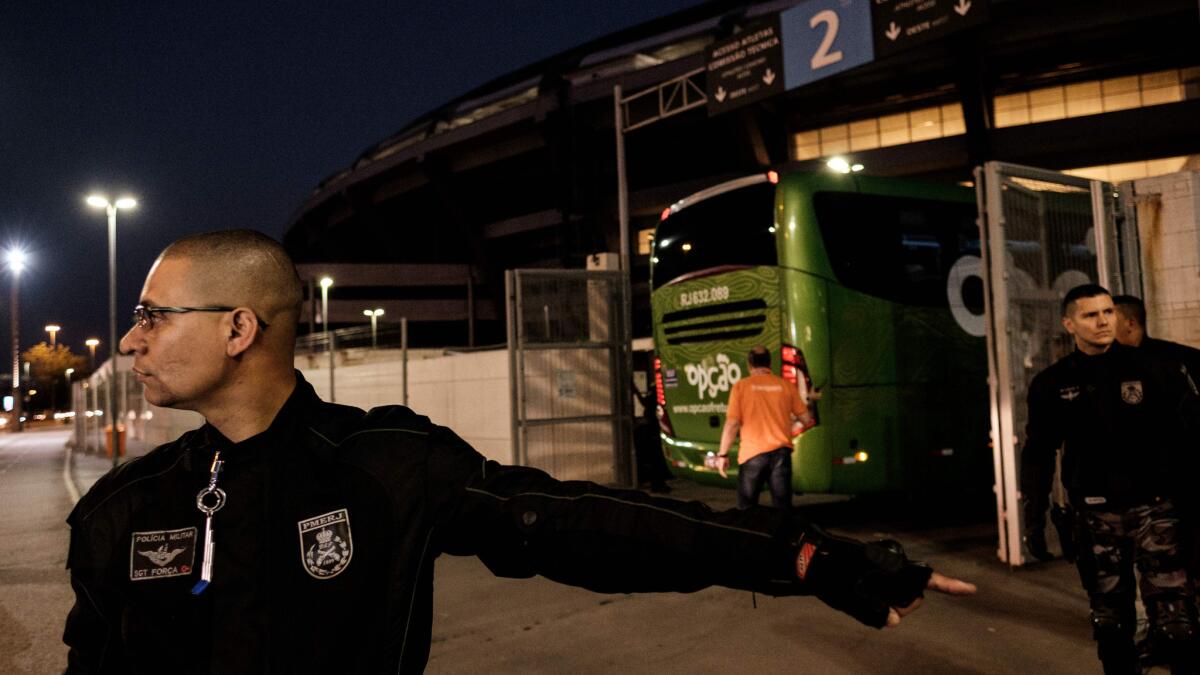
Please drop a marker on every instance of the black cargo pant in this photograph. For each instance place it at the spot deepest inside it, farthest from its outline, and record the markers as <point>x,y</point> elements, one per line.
<point>1112,544</point>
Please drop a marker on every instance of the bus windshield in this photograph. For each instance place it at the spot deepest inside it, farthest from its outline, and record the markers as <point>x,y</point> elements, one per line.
<point>895,248</point>
<point>732,228</point>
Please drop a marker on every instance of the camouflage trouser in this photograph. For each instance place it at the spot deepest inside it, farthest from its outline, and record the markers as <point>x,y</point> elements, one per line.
<point>1112,543</point>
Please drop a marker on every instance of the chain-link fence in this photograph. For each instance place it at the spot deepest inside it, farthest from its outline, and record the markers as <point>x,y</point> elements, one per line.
<point>1043,233</point>
<point>570,368</point>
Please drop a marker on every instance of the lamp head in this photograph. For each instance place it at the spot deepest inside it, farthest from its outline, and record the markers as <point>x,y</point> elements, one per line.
<point>16,260</point>
<point>97,201</point>
<point>326,282</point>
<point>91,342</point>
<point>53,328</point>
<point>126,203</point>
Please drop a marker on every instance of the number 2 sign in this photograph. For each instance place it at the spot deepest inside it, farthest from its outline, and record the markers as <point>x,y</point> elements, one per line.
<point>824,37</point>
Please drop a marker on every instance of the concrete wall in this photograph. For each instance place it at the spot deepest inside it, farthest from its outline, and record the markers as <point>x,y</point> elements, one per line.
<point>466,392</point>
<point>1168,213</point>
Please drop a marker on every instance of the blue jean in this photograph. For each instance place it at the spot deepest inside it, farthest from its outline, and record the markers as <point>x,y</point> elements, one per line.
<point>775,468</point>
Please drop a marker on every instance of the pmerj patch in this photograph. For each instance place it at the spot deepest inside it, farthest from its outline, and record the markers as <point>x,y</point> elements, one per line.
<point>1131,392</point>
<point>325,544</point>
<point>162,554</point>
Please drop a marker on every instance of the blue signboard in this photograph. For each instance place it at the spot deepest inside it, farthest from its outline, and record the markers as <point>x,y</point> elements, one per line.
<point>823,38</point>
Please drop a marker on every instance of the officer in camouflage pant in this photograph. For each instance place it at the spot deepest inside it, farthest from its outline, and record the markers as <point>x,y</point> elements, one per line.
<point>1126,421</point>
<point>1113,543</point>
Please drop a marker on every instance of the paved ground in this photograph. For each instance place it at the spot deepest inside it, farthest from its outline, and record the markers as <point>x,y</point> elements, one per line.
<point>1029,620</point>
<point>34,589</point>
<point>1025,621</point>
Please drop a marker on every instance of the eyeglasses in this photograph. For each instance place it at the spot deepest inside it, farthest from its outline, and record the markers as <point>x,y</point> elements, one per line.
<point>146,316</point>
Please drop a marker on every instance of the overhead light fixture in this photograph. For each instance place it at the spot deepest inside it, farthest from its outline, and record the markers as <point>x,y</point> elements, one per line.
<point>842,165</point>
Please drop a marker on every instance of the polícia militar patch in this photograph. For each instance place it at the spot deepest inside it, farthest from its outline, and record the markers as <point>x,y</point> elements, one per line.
<point>325,544</point>
<point>162,554</point>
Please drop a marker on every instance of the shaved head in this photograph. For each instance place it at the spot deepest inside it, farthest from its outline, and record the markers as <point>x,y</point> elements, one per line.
<point>243,268</point>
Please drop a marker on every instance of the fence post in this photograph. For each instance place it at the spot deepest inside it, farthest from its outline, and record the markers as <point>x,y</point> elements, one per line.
<point>404,359</point>
<point>332,358</point>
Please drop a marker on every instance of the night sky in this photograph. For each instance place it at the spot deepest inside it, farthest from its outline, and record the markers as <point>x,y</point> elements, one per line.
<point>221,114</point>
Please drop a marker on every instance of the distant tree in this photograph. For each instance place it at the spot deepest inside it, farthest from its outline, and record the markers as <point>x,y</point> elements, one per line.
<point>48,367</point>
<point>47,363</point>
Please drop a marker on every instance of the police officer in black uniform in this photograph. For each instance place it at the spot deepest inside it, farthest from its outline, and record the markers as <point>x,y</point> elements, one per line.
<point>1131,331</point>
<point>1124,419</point>
<point>289,535</point>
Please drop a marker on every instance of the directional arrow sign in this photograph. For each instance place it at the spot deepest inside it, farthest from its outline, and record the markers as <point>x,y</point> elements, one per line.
<point>745,67</point>
<point>903,24</point>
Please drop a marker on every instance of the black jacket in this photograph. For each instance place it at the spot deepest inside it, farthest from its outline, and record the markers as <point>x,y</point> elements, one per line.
<point>1189,357</point>
<point>325,547</point>
<point>1126,421</point>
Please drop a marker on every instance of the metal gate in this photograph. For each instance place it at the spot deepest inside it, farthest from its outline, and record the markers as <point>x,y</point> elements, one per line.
<point>1042,233</point>
<point>570,373</point>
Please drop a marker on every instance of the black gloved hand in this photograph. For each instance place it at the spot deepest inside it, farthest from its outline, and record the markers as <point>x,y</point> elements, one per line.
<point>861,579</point>
<point>1035,541</point>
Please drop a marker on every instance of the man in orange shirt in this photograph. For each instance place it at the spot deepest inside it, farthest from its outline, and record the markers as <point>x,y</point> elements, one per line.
<point>762,409</point>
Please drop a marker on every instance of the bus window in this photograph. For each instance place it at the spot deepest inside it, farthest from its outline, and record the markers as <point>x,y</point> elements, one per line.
<point>895,248</point>
<point>732,228</point>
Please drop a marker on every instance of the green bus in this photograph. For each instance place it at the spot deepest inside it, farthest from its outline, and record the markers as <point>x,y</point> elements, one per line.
<point>867,292</point>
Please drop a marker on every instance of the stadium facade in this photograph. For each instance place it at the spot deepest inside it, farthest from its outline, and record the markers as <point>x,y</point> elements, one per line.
<point>522,172</point>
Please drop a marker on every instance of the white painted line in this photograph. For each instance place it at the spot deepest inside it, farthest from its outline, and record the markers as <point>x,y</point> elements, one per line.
<point>68,480</point>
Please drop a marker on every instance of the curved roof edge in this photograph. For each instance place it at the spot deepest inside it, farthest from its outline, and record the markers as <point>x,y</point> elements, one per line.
<point>521,88</point>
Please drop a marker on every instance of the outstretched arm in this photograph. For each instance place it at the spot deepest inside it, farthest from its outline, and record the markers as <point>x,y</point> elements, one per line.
<point>521,522</point>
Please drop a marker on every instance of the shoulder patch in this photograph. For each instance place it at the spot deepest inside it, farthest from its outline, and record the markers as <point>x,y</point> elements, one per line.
<point>161,554</point>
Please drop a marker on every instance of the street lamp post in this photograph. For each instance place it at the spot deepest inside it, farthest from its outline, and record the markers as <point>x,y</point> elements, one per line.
<point>326,282</point>
<point>374,314</point>
<point>70,394</point>
<point>99,202</point>
<point>53,329</point>
<point>92,343</point>
<point>16,263</point>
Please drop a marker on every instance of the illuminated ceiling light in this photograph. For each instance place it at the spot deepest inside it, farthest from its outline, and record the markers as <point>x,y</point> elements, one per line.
<point>686,247</point>
<point>856,167</point>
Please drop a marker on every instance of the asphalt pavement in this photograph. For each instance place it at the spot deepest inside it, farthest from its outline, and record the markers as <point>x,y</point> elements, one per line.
<point>1021,621</point>
<point>35,592</point>
<point>1032,620</point>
